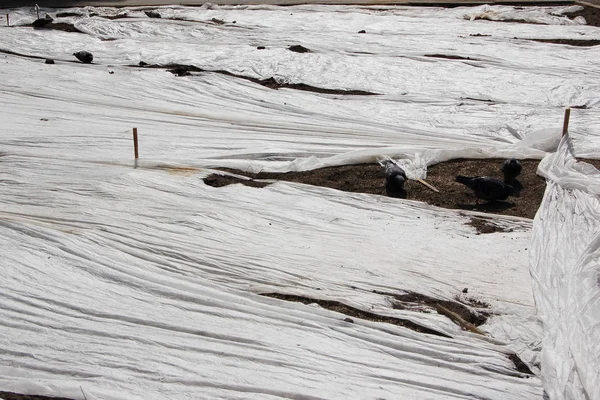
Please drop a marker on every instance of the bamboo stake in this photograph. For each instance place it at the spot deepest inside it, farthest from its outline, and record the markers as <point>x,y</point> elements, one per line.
<point>457,319</point>
<point>429,185</point>
<point>566,121</point>
<point>135,143</point>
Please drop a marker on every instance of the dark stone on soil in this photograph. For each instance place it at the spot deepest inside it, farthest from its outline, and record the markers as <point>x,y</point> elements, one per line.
<point>142,64</point>
<point>217,21</point>
<point>260,47</point>
<point>49,61</point>
<point>363,31</point>
<point>152,14</point>
<point>349,320</point>
<point>299,49</point>
<point>465,290</point>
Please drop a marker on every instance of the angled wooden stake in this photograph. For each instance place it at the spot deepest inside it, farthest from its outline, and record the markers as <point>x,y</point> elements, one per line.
<point>135,143</point>
<point>566,121</point>
<point>429,185</point>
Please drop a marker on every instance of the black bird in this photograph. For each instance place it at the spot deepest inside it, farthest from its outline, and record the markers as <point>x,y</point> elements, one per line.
<point>486,187</point>
<point>84,56</point>
<point>394,179</point>
<point>511,169</point>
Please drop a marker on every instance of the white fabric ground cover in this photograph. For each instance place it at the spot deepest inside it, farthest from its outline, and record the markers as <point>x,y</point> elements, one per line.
<point>121,283</point>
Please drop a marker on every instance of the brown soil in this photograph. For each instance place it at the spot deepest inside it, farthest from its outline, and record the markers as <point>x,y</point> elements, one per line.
<point>413,301</point>
<point>16,396</point>
<point>449,57</point>
<point>570,42</point>
<point>355,312</point>
<point>591,15</point>
<point>370,178</point>
<point>186,70</point>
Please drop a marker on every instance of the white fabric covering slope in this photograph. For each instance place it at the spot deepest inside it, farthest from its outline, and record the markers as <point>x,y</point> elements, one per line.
<point>144,283</point>
<point>566,274</point>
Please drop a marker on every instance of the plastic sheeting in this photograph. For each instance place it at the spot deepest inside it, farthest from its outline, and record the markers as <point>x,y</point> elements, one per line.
<point>123,283</point>
<point>565,264</point>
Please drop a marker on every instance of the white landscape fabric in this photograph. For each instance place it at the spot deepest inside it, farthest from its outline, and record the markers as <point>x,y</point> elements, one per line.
<point>145,283</point>
<point>566,274</point>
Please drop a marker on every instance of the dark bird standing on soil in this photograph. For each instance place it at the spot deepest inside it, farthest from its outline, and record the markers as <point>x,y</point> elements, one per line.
<point>511,169</point>
<point>84,56</point>
<point>394,180</point>
<point>486,187</point>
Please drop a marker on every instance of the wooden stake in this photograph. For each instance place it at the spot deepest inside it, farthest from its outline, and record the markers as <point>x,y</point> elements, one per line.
<point>566,121</point>
<point>135,143</point>
<point>7,20</point>
<point>37,10</point>
<point>457,319</point>
<point>429,185</point>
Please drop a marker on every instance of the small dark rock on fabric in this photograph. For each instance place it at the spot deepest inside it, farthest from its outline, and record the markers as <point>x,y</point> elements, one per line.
<point>363,31</point>
<point>42,22</point>
<point>84,56</point>
<point>298,49</point>
<point>260,47</point>
<point>49,61</point>
<point>486,187</point>
<point>152,14</point>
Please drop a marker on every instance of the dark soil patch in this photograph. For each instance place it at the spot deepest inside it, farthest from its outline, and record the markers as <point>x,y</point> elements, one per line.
<point>16,396</point>
<point>215,180</point>
<point>595,163</point>
<point>570,42</point>
<point>486,225</point>
<point>355,312</point>
<point>69,14</point>
<point>186,70</point>
<point>420,302</point>
<point>59,26</point>
<point>449,57</point>
<point>519,364</point>
<point>591,15</point>
<point>370,178</point>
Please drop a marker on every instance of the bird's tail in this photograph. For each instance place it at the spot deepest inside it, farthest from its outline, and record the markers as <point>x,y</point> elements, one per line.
<point>465,180</point>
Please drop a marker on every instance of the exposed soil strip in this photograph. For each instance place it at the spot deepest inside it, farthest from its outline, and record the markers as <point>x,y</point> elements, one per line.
<point>450,57</point>
<point>185,70</point>
<point>370,178</point>
<point>485,225</point>
<point>355,312</point>
<point>413,301</point>
<point>16,396</point>
<point>570,42</point>
<point>519,364</point>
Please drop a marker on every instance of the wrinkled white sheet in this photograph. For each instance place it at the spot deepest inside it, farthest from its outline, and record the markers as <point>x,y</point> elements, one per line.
<point>122,283</point>
<point>566,275</point>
